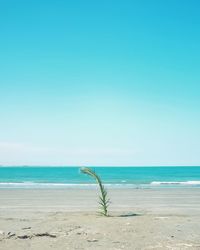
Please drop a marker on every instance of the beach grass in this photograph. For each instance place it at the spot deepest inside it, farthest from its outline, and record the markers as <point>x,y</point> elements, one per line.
<point>103,197</point>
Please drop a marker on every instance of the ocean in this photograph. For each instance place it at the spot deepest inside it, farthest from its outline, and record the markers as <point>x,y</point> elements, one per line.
<point>116,177</point>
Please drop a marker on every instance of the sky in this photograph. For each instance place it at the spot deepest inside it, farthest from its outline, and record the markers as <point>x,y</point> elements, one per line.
<point>100,83</point>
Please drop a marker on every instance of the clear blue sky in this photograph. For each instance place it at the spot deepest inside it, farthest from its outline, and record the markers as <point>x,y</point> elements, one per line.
<point>100,82</point>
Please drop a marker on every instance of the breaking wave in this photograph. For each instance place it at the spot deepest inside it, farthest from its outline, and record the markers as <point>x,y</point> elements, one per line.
<point>157,183</point>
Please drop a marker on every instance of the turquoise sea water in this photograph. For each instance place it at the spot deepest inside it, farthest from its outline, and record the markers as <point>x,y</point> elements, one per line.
<point>131,177</point>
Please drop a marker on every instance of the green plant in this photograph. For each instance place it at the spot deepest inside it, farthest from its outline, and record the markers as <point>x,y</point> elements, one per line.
<point>103,199</point>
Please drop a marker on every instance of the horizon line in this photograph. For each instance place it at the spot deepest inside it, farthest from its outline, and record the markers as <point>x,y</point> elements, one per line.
<point>78,166</point>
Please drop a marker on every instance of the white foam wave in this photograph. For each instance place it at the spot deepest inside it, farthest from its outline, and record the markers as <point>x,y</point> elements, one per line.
<point>36,185</point>
<point>157,183</point>
<point>59,185</point>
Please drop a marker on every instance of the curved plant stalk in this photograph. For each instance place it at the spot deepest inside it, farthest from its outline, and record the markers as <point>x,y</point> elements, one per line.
<point>103,199</point>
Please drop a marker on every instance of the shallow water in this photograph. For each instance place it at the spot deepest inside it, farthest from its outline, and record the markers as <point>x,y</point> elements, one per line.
<point>118,177</point>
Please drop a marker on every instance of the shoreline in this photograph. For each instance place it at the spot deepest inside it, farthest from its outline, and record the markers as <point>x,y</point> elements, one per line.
<point>118,185</point>
<point>150,200</point>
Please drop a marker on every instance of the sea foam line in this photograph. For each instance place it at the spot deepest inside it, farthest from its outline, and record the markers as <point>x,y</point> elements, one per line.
<point>59,185</point>
<point>94,186</point>
<point>157,183</point>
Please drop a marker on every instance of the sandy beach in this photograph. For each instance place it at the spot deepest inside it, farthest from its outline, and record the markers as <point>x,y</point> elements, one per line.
<point>67,219</point>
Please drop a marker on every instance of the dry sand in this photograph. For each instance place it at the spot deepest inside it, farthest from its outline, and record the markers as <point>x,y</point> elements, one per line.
<point>66,219</point>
